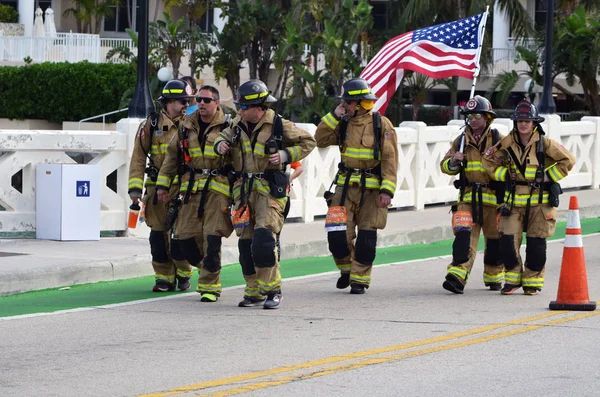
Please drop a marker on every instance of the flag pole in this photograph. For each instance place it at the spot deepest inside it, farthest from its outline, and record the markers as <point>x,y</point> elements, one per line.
<point>478,68</point>
<point>476,72</point>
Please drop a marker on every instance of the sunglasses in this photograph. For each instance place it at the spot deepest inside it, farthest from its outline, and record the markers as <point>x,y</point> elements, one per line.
<point>475,116</point>
<point>204,99</point>
<point>246,107</point>
<point>184,101</point>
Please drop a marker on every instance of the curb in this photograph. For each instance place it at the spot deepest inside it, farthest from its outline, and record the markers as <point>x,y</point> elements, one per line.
<point>139,265</point>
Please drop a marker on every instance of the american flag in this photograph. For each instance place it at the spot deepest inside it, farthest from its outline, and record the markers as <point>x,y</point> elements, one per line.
<point>440,51</point>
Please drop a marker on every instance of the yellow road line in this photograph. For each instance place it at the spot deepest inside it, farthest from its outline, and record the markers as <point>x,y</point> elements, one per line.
<point>396,357</point>
<point>351,356</point>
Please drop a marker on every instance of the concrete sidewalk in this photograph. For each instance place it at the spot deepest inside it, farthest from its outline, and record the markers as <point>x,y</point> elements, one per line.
<point>29,264</point>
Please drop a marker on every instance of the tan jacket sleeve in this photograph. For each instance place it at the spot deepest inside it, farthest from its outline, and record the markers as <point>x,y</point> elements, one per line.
<point>327,131</point>
<point>137,165</point>
<point>297,142</point>
<point>445,163</point>
<point>494,160</point>
<point>389,158</point>
<point>170,164</point>
<point>227,134</point>
<point>562,161</point>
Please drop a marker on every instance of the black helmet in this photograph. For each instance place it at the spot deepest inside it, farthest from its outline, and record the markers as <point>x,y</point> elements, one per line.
<point>478,104</point>
<point>526,110</point>
<point>176,89</point>
<point>254,92</point>
<point>357,89</point>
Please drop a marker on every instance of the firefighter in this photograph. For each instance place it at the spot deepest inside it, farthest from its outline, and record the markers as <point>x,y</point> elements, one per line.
<point>531,165</point>
<point>148,155</point>
<point>203,218</point>
<point>261,144</point>
<point>366,181</point>
<point>478,199</point>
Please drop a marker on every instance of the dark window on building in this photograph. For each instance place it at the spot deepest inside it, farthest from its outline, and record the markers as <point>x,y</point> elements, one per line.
<point>540,13</point>
<point>43,4</point>
<point>206,21</point>
<point>119,19</point>
<point>12,3</point>
<point>379,13</point>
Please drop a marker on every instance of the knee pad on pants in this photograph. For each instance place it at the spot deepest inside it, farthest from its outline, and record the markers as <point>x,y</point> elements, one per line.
<point>460,247</point>
<point>508,255</point>
<point>245,248</point>
<point>535,253</point>
<point>366,245</point>
<point>212,262</point>
<point>492,250</point>
<point>338,244</point>
<point>263,248</point>
<point>190,250</point>
<point>176,251</point>
<point>158,246</point>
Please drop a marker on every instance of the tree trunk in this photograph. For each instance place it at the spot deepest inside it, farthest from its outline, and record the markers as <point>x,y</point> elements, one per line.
<point>233,81</point>
<point>590,93</point>
<point>79,25</point>
<point>193,66</point>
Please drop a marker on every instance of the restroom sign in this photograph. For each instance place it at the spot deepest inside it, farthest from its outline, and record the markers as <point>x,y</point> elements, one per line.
<point>83,189</point>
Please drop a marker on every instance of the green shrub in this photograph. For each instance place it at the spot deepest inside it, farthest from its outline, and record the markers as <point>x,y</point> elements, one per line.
<point>60,92</point>
<point>576,115</point>
<point>8,14</point>
<point>504,113</point>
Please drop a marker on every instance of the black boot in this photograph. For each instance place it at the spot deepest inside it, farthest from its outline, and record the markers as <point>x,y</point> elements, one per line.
<point>357,289</point>
<point>273,300</point>
<point>344,281</point>
<point>452,284</point>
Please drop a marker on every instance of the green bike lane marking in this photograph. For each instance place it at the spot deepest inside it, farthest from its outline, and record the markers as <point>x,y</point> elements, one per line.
<point>119,291</point>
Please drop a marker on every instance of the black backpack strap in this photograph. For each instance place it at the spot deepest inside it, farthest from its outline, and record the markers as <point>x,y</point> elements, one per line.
<point>342,128</point>
<point>377,132</point>
<point>495,136</point>
<point>153,127</point>
<point>277,131</point>
<point>515,159</point>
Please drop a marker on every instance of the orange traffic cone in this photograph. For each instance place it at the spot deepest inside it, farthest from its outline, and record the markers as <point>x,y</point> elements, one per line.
<point>573,286</point>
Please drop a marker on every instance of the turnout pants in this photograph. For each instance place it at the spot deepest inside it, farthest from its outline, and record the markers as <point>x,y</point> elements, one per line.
<point>165,268</point>
<point>464,248</point>
<point>352,251</point>
<point>541,225</point>
<point>198,240</point>
<point>257,243</point>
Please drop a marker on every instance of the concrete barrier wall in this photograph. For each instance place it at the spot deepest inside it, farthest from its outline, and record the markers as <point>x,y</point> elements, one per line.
<point>420,181</point>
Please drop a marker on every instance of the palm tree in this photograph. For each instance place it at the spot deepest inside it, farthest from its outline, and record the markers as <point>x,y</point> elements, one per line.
<point>90,13</point>
<point>194,10</point>
<point>171,38</point>
<point>576,52</point>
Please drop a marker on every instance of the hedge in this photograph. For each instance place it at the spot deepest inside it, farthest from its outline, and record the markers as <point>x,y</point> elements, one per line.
<point>8,14</point>
<point>60,92</point>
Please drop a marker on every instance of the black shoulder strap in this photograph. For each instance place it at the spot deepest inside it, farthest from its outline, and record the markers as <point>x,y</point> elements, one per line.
<point>377,131</point>
<point>541,158</point>
<point>515,159</point>
<point>153,127</point>
<point>278,131</point>
<point>342,128</point>
<point>495,136</point>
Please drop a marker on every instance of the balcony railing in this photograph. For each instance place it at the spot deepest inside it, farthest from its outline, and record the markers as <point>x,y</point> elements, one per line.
<point>65,47</point>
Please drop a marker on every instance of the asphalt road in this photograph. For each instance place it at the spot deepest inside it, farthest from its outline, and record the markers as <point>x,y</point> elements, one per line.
<point>406,336</point>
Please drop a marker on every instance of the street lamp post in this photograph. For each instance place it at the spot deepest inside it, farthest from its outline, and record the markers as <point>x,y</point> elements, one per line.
<point>141,104</point>
<point>547,105</point>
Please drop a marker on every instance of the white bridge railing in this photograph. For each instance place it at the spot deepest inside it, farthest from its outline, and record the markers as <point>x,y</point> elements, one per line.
<point>420,181</point>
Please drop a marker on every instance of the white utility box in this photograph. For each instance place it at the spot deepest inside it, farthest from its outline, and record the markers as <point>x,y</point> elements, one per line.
<point>67,202</point>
